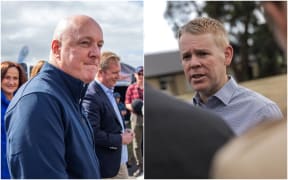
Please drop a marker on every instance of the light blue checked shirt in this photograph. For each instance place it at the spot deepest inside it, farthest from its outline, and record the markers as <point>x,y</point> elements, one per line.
<point>109,94</point>
<point>240,107</point>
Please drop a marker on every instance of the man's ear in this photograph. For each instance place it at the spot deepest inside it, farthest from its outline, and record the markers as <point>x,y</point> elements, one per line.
<point>228,52</point>
<point>55,46</point>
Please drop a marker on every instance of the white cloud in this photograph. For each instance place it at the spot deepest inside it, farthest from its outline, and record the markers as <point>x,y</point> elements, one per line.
<point>158,35</point>
<point>32,23</point>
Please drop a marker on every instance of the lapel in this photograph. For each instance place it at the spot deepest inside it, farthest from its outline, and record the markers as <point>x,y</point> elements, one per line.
<point>106,100</point>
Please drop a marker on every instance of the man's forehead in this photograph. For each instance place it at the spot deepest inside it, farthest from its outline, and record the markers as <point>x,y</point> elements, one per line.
<point>202,36</point>
<point>84,32</point>
<point>197,42</point>
<point>77,25</point>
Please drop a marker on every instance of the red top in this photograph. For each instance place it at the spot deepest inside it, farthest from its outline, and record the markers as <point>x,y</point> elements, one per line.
<point>133,92</point>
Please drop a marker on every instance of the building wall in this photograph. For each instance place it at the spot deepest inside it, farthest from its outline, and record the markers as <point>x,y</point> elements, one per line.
<point>154,82</point>
<point>174,84</point>
<point>182,84</point>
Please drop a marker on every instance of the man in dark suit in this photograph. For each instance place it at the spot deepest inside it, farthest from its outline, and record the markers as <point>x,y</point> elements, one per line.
<point>180,139</point>
<point>111,138</point>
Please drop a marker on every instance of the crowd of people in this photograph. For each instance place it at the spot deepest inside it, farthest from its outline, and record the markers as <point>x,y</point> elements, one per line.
<point>58,125</point>
<point>14,75</point>
<point>67,121</point>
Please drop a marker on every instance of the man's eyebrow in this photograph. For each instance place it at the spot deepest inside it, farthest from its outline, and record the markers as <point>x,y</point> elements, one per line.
<point>201,50</point>
<point>195,50</point>
<point>186,53</point>
<point>88,37</point>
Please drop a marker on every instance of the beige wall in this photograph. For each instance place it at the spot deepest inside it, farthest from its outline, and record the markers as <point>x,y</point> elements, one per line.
<point>175,84</point>
<point>154,82</point>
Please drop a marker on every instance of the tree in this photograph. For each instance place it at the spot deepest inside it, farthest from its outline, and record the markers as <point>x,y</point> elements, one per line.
<point>251,39</point>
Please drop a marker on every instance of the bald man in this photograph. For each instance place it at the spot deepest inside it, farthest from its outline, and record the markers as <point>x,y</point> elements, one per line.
<point>48,135</point>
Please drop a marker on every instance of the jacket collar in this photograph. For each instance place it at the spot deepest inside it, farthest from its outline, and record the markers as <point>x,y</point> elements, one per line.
<point>76,87</point>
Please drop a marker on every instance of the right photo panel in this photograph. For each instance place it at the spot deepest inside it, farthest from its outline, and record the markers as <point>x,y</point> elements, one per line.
<point>215,90</point>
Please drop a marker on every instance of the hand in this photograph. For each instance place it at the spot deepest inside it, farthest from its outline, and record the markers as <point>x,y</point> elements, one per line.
<point>127,136</point>
<point>123,112</point>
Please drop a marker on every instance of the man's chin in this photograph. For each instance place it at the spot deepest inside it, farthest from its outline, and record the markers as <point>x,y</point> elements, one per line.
<point>88,79</point>
<point>199,88</point>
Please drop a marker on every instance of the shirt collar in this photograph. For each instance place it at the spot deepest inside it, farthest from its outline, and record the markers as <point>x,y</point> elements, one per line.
<point>106,89</point>
<point>224,94</point>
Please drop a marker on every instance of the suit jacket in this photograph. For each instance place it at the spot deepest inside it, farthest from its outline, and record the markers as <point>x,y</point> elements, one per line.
<point>106,128</point>
<point>180,139</point>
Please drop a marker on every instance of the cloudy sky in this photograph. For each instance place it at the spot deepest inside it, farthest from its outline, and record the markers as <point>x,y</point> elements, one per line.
<point>32,24</point>
<point>158,35</point>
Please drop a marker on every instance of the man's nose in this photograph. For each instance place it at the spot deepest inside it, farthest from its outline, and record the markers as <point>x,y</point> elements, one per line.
<point>194,62</point>
<point>118,75</point>
<point>95,51</point>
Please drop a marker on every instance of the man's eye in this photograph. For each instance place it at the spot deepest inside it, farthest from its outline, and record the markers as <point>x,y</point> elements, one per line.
<point>201,54</point>
<point>186,57</point>
<point>100,45</point>
<point>84,43</point>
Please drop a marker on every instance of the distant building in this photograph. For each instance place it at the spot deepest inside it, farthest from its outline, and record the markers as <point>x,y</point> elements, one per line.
<point>164,71</point>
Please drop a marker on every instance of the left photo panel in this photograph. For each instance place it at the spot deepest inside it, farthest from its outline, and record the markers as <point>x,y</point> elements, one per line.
<point>72,89</point>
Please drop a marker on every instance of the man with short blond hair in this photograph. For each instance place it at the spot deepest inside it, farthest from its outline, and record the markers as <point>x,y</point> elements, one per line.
<point>205,55</point>
<point>111,135</point>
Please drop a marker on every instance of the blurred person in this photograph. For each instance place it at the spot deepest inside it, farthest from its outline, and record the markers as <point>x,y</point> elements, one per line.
<point>137,105</point>
<point>205,54</point>
<point>180,139</point>
<point>120,105</point>
<point>48,135</point>
<point>111,136</point>
<point>134,92</point>
<point>12,77</point>
<point>261,152</point>
<point>276,16</point>
<point>36,68</point>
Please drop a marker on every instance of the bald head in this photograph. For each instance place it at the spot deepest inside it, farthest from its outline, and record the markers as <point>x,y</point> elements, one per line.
<point>69,25</point>
<point>76,45</point>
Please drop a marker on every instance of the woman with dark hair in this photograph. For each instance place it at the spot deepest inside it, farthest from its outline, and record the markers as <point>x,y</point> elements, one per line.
<point>12,77</point>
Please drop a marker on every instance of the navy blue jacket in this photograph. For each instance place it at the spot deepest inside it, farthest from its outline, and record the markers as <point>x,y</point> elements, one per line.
<point>106,127</point>
<point>48,136</point>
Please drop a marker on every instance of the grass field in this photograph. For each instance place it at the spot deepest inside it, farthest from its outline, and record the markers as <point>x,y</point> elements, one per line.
<point>274,87</point>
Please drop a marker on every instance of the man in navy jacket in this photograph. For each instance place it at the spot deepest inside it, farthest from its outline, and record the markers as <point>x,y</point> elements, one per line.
<point>48,135</point>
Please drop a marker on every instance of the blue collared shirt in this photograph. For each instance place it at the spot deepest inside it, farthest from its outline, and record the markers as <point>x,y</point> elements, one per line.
<point>240,107</point>
<point>109,94</point>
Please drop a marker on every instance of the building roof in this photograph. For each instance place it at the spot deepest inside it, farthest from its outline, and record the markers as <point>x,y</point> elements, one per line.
<point>164,63</point>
